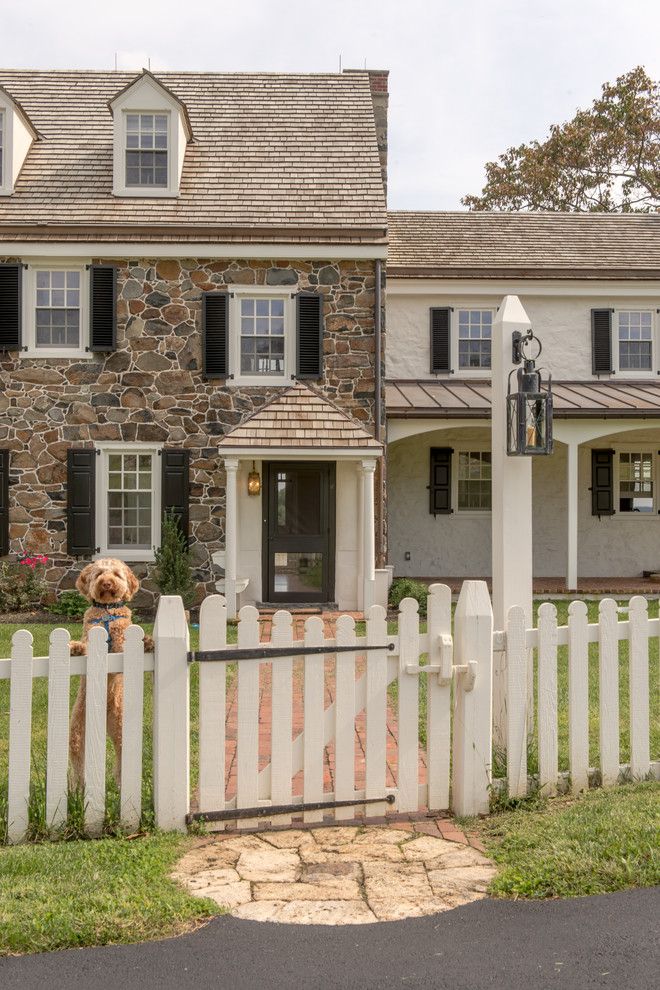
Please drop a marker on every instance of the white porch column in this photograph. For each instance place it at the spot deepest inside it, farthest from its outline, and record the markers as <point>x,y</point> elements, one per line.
<point>512,504</point>
<point>231,534</point>
<point>368,534</point>
<point>572,516</point>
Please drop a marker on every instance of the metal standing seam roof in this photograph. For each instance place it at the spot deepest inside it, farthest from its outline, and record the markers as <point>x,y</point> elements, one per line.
<point>303,419</point>
<point>490,245</point>
<point>471,399</point>
<point>292,152</point>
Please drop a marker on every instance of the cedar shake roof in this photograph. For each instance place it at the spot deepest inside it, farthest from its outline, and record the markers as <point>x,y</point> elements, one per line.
<point>471,399</point>
<point>290,155</point>
<point>526,245</point>
<point>300,418</point>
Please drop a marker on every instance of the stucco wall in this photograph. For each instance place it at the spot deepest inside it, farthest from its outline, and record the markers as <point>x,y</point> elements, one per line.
<point>562,322</point>
<point>459,545</point>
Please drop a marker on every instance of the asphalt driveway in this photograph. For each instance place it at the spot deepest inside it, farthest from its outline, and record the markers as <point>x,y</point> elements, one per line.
<point>607,941</point>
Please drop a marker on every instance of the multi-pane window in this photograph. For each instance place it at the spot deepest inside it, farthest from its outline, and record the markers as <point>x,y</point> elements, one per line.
<point>635,341</point>
<point>474,480</point>
<point>130,490</point>
<point>474,338</point>
<point>636,481</point>
<point>262,336</point>
<point>146,149</point>
<point>57,308</point>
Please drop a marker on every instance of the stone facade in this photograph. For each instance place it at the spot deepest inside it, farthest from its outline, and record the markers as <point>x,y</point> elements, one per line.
<point>151,389</point>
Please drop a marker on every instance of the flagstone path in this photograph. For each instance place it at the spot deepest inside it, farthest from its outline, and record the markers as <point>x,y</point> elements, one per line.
<point>338,875</point>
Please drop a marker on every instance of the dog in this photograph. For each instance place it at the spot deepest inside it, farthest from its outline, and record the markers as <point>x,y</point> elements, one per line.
<point>108,584</point>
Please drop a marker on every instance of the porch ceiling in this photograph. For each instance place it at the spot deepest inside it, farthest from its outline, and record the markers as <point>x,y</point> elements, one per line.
<point>470,399</point>
<point>300,419</point>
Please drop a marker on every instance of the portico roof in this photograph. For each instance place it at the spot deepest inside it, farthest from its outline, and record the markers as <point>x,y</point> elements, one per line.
<point>300,420</point>
<point>470,399</point>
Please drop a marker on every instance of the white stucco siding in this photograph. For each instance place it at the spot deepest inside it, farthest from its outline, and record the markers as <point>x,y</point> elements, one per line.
<point>457,545</point>
<point>563,323</point>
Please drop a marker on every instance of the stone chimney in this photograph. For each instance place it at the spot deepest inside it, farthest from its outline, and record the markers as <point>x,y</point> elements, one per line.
<point>379,98</point>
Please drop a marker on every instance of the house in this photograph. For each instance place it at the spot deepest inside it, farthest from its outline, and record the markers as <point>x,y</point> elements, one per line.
<point>590,285</point>
<point>192,319</point>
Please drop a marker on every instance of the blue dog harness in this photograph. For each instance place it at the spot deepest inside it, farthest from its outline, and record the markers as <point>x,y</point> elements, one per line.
<point>108,618</point>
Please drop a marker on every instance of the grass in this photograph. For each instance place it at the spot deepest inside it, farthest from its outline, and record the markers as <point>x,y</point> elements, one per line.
<point>603,841</point>
<point>73,894</point>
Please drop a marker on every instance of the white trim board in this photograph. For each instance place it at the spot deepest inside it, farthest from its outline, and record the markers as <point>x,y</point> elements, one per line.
<point>600,288</point>
<point>202,250</point>
<point>300,454</point>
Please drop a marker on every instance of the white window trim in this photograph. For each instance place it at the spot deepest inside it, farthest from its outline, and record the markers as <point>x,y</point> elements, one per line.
<point>286,293</point>
<point>628,372</point>
<point>474,448</point>
<point>118,447</point>
<point>636,448</point>
<point>468,372</point>
<point>172,187</point>
<point>30,302</point>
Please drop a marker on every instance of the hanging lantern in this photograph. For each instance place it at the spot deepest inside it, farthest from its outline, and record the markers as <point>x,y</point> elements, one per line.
<point>529,410</point>
<point>254,481</point>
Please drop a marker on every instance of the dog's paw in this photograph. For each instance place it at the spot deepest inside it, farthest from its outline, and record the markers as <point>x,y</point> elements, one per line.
<point>148,644</point>
<point>76,649</point>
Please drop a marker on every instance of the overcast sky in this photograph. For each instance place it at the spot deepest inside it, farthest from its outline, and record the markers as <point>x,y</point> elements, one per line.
<point>468,78</point>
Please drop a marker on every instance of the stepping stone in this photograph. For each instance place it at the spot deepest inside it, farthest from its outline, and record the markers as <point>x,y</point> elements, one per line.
<point>268,864</point>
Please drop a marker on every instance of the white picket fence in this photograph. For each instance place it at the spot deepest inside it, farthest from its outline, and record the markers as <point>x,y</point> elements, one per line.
<point>517,641</point>
<point>458,673</point>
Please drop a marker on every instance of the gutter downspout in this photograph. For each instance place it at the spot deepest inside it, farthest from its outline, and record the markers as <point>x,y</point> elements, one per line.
<point>378,410</point>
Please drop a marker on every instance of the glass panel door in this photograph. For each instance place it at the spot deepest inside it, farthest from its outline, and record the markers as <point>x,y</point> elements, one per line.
<point>299,532</point>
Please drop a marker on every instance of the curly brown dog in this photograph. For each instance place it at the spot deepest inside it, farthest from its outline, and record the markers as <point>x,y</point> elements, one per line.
<point>108,584</point>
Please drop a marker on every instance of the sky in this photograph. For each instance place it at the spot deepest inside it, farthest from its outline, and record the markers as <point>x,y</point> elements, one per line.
<point>468,78</point>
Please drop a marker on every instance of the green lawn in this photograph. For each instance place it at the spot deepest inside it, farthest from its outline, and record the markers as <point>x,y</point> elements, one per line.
<point>606,840</point>
<point>71,894</point>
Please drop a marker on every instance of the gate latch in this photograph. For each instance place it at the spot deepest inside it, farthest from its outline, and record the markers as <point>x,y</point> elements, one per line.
<point>446,668</point>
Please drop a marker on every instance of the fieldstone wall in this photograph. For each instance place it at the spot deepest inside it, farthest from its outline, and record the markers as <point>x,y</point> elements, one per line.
<point>151,389</point>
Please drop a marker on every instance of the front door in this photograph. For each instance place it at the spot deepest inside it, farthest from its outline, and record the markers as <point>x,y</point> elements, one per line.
<point>299,532</point>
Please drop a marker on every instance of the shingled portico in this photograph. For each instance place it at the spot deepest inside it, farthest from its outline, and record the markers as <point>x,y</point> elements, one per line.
<point>300,539</point>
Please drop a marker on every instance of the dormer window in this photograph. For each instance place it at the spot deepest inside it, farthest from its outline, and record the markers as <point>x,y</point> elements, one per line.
<point>147,149</point>
<point>16,137</point>
<point>151,133</point>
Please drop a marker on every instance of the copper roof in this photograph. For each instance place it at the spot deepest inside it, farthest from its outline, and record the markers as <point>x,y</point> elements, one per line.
<point>541,245</point>
<point>303,419</point>
<point>471,399</point>
<point>294,153</point>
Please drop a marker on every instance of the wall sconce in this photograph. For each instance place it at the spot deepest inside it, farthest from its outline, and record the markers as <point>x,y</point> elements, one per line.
<point>529,410</point>
<point>254,481</point>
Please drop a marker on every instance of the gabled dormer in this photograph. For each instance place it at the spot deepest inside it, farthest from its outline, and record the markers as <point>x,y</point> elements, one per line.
<point>16,137</point>
<point>151,131</point>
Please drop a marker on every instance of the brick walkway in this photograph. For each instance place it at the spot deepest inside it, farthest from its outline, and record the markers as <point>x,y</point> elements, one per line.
<point>265,715</point>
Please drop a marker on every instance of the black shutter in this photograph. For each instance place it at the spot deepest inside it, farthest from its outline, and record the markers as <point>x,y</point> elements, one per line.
<point>440,339</point>
<point>309,335</point>
<point>601,341</point>
<point>440,484</point>
<point>215,335</point>
<point>602,482</point>
<point>10,307</point>
<point>175,491</point>
<point>81,508</point>
<point>102,308</point>
<point>4,503</point>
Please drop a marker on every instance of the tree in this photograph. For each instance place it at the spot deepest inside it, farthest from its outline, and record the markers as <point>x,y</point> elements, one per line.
<point>605,160</point>
<point>172,573</point>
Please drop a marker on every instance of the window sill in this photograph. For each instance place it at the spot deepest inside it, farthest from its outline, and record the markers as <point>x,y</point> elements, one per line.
<point>49,354</point>
<point>474,513</point>
<point>282,381</point>
<point>128,556</point>
<point>147,192</point>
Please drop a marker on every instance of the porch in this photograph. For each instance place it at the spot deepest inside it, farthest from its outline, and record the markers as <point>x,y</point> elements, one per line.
<point>594,531</point>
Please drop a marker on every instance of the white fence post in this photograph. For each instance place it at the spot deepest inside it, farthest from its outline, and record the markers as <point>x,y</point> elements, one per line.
<point>473,701</point>
<point>20,735</point>
<point>171,715</point>
<point>438,699</point>
<point>517,664</point>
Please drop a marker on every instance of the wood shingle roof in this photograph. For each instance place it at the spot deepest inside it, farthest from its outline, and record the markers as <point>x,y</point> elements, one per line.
<point>295,154</point>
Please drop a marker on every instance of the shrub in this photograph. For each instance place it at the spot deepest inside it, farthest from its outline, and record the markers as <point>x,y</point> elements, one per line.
<point>407,588</point>
<point>173,573</point>
<point>70,604</point>
<point>21,584</point>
